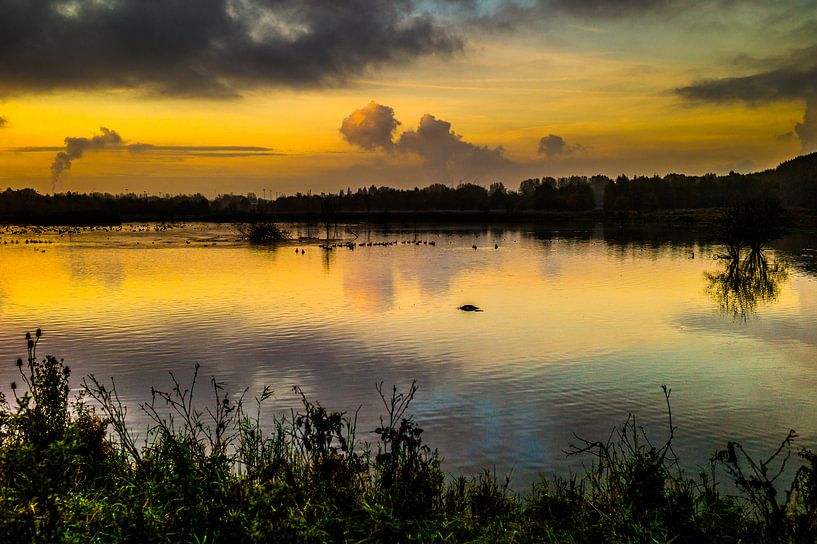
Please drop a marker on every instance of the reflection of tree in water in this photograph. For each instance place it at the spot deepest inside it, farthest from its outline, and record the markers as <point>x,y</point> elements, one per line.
<point>743,284</point>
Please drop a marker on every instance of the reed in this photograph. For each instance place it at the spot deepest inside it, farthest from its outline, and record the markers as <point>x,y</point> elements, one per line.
<point>71,471</point>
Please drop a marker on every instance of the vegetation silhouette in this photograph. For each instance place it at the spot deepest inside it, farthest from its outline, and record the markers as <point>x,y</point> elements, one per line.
<point>750,224</point>
<point>747,278</point>
<point>72,471</point>
<point>793,184</point>
<point>262,233</point>
<point>743,284</point>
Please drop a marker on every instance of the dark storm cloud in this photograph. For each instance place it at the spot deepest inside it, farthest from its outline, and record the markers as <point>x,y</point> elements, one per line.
<point>785,83</point>
<point>553,145</point>
<point>207,48</point>
<point>510,14</point>
<point>443,151</point>
<point>793,77</point>
<point>610,8</point>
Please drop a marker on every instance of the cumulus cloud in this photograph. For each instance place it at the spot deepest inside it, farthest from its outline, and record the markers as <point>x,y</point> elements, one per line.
<point>553,145</point>
<point>208,48</point>
<point>370,127</point>
<point>443,151</point>
<point>76,147</point>
<point>793,77</point>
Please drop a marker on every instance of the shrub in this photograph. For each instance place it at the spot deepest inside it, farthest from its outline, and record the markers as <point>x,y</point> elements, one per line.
<point>752,224</point>
<point>216,474</point>
<point>262,233</point>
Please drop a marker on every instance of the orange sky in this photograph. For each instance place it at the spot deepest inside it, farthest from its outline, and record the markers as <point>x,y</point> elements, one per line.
<point>605,83</point>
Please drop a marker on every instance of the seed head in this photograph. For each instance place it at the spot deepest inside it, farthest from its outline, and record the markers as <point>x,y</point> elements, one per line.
<point>28,336</point>
<point>39,333</point>
<point>19,363</point>
<point>13,386</point>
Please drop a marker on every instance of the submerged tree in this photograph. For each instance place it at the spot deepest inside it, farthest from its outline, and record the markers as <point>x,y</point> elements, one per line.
<point>742,285</point>
<point>262,233</point>
<point>751,224</point>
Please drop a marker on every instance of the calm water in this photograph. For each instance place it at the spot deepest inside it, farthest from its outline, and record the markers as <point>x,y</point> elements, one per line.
<point>580,328</point>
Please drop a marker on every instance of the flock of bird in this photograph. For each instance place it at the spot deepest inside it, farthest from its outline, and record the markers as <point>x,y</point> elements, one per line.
<point>16,232</point>
<point>353,245</point>
<point>28,242</point>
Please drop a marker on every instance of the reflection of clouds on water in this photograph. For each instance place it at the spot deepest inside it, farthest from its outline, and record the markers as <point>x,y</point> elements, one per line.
<point>372,274</point>
<point>778,330</point>
<point>368,284</point>
<point>431,270</point>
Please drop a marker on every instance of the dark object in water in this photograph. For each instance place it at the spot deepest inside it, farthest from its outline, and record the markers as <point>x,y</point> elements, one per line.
<point>469,308</point>
<point>262,233</point>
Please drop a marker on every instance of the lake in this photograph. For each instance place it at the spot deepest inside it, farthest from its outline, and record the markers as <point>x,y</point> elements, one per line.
<point>581,326</point>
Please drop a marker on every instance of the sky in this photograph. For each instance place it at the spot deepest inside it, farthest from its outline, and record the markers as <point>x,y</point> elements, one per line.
<point>279,96</point>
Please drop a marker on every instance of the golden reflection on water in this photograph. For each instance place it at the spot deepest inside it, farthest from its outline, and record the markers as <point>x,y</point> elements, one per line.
<point>576,330</point>
<point>544,300</point>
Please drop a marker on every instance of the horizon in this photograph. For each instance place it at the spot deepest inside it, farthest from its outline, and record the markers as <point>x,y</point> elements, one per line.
<point>510,188</point>
<point>245,97</point>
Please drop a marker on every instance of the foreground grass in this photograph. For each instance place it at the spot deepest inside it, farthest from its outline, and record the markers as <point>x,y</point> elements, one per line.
<point>70,473</point>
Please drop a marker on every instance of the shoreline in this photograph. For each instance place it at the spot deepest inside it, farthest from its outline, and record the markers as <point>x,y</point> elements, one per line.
<point>798,218</point>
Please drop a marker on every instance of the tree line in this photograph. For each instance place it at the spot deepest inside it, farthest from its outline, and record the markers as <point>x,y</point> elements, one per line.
<point>793,184</point>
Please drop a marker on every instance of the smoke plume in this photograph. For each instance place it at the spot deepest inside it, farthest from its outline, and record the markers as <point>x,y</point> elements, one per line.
<point>76,147</point>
